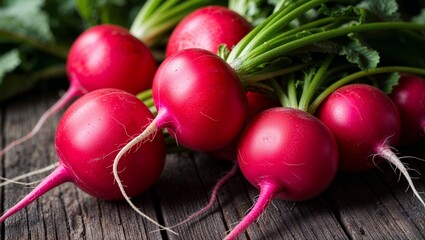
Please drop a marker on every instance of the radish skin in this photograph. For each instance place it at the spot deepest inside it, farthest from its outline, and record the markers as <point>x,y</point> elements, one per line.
<point>257,102</point>
<point>208,28</point>
<point>409,97</point>
<point>288,154</point>
<point>365,123</point>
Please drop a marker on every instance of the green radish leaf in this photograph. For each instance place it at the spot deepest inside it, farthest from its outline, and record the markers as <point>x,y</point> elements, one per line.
<point>388,82</point>
<point>385,10</point>
<point>87,10</point>
<point>223,51</point>
<point>95,12</point>
<point>419,18</point>
<point>8,62</point>
<point>25,18</point>
<point>358,53</point>
<point>255,11</point>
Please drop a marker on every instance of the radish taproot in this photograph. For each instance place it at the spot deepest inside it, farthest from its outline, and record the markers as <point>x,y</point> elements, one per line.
<point>208,28</point>
<point>288,154</point>
<point>409,97</point>
<point>89,135</point>
<point>104,56</point>
<point>366,125</point>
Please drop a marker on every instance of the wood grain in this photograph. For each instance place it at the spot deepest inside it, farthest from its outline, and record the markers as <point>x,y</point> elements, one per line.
<point>371,205</point>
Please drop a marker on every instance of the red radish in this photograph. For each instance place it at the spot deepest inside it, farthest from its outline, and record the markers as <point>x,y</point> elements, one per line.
<point>257,102</point>
<point>366,124</point>
<point>409,97</point>
<point>108,56</point>
<point>104,56</point>
<point>200,101</point>
<point>208,28</point>
<point>287,153</point>
<point>89,135</point>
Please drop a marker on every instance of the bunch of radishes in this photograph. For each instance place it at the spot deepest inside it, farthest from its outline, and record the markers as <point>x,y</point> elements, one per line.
<point>277,99</point>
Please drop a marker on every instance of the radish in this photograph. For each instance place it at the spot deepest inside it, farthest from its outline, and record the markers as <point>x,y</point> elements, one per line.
<point>366,124</point>
<point>207,28</point>
<point>199,98</point>
<point>104,56</point>
<point>200,101</point>
<point>89,135</point>
<point>287,153</point>
<point>409,97</point>
<point>257,102</point>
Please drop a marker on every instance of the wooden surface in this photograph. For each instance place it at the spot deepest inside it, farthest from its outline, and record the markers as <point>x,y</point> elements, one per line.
<point>372,205</point>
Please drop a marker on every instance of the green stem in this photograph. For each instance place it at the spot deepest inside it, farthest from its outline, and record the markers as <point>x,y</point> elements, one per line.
<point>49,48</point>
<point>311,89</point>
<point>145,94</point>
<point>246,64</point>
<point>262,86</point>
<point>278,23</point>
<point>283,98</point>
<point>291,35</point>
<point>360,74</point>
<point>292,91</point>
<point>260,32</point>
<point>259,76</point>
<point>149,103</point>
<point>158,16</point>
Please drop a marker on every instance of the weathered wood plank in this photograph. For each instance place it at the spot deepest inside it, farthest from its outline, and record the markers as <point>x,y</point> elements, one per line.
<point>370,210</point>
<point>20,117</point>
<point>372,205</point>
<point>64,212</point>
<point>183,189</point>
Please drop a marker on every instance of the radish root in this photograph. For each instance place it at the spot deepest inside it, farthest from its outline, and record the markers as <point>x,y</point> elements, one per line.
<point>214,193</point>
<point>151,129</point>
<point>15,180</point>
<point>386,153</point>
<point>73,91</point>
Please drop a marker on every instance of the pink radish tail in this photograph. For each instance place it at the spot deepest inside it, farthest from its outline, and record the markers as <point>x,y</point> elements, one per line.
<point>73,91</point>
<point>386,153</point>
<point>268,190</point>
<point>214,193</point>
<point>57,177</point>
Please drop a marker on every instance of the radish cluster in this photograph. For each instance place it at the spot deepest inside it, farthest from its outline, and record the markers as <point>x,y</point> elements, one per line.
<point>111,145</point>
<point>104,56</point>
<point>88,136</point>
